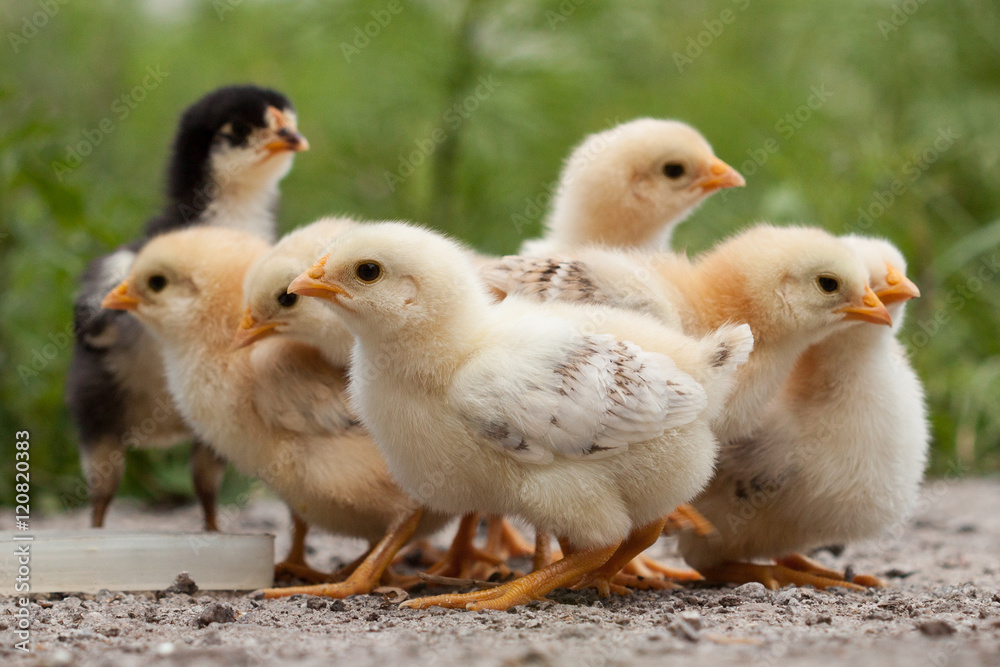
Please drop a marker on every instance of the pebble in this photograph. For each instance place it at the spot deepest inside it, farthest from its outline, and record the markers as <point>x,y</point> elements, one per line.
<point>936,628</point>
<point>217,612</point>
<point>754,590</point>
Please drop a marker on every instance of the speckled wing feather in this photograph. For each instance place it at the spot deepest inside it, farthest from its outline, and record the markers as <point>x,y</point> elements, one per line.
<point>299,391</point>
<point>591,398</point>
<point>544,278</point>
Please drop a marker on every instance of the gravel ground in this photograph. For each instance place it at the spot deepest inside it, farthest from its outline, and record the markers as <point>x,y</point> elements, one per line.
<point>942,607</point>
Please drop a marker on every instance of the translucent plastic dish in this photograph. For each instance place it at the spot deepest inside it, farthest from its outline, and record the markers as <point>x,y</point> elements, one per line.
<point>86,561</point>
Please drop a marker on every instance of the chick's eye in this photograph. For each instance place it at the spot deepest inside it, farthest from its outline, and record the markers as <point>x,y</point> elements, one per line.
<point>157,282</point>
<point>368,272</point>
<point>828,284</point>
<point>673,170</point>
<point>286,300</point>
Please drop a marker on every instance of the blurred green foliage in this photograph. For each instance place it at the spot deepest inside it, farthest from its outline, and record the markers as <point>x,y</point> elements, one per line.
<point>822,105</point>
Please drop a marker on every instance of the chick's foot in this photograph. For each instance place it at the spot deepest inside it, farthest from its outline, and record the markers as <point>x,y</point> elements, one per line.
<point>462,556</point>
<point>772,576</point>
<point>803,563</point>
<point>534,586</point>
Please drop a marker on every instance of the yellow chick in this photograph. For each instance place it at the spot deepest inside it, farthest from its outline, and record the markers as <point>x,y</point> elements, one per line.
<point>588,422</point>
<point>276,410</point>
<point>838,455</point>
<point>629,186</point>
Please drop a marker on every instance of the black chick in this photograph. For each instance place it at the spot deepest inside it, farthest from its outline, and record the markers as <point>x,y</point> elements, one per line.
<point>232,148</point>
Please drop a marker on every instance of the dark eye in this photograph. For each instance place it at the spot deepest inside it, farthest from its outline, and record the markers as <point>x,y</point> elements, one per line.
<point>368,272</point>
<point>828,284</point>
<point>157,282</point>
<point>286,300</point>
<point>673,170</point>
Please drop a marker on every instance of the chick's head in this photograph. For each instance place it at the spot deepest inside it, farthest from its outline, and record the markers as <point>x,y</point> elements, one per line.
<point>787,281</point>
<point>390,280</point>
<point>235,137</point>
<point>185,285</point>
<point>886,268</point>
<point>645,175</point>
<point>269,308</point>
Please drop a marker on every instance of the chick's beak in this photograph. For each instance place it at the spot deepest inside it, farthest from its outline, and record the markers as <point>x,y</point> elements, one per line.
<point>286,135</point>
<point>869,310</point>
<point>120,299</point>
<point>250,330</point>
<point>718,176</point>
<point>314,283</point>
<point>900,287</point>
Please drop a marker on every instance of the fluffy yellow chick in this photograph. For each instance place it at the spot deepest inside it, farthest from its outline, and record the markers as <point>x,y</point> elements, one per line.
<point>838,456</point>
<point>629,186</point>
<point>588,422</point>
<point>276,410</point>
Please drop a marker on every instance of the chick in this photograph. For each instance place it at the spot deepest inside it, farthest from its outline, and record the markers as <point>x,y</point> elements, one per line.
<point>272,310</point>
<point>232,148</point>
<point>548,412</point>
<point>629,186</point>
<point>838,456</point>
<point>276,409</point>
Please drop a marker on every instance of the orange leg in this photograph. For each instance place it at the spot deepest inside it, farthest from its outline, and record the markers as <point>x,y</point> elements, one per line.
<point>638,541</point>
<point>543,551</point>
<point>462,554</point>
<point>772,576</point>
<point>368,574</point>
<point>805,564</point>
<point>686,517</point>
<point>534,586</point>
<point>644,566</point>
<point>294,566</point>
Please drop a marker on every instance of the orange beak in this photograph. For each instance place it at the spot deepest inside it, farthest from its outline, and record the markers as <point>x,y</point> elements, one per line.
<point>869,310</point>
<point>250,331</point>
<point>120,299</point>
<point>287,136</point>
<point>900,287</point>
<point>720,175</point>
<point>312,283</point>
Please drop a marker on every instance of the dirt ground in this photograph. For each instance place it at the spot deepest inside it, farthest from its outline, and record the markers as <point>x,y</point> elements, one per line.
<point>941,607</point>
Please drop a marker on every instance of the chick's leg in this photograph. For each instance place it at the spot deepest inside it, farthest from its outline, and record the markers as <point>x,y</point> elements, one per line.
<point>534,586</point>
<point>103,463</point>
<point>207,470</point>
<point>605,578</point>
<point>294,565</point>
<point>368,574</point>
<point>686,517</point>
<point>802,563</point>
<point>544,555</point>
<point>463,554</point>
<point>772,576</point>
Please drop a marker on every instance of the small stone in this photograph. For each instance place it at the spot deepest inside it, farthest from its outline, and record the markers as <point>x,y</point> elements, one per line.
<point>337,605</point>
<point>316,602</point>
<point>820,619</point>
<point>754,590</point>
<point>936,628</point>
<point>683,630</point>
<point>967,528</point>
<point>182,584</point>
<point>58,658</point>
<point>730,601</point>
<point>692,618</point>
<point>217,612</point>
<point>164,649</point>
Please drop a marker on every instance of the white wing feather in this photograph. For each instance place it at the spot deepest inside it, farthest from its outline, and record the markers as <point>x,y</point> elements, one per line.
<point>592,398</point>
